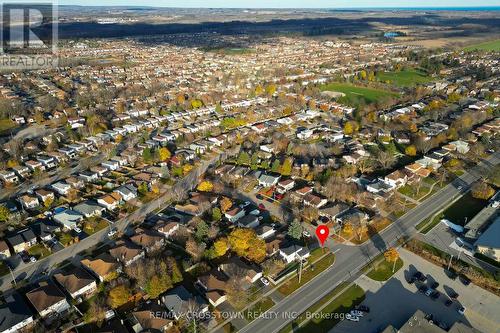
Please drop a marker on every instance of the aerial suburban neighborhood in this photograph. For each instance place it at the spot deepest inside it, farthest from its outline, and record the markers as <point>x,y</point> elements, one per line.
<point>181,181</point>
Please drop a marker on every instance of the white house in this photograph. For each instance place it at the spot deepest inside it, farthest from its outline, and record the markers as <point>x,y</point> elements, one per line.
<point>48,300</point>
<point>293,252</point>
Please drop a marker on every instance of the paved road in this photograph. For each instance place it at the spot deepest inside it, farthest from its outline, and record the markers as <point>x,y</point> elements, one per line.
<point>31,271</point>
<point>351,259</point>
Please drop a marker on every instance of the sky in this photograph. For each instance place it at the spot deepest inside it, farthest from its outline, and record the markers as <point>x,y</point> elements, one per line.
<point>283,3</point>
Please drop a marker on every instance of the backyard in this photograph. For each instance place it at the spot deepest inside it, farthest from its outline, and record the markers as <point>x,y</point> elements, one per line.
<point>404,78</point>
<point>355,95</point>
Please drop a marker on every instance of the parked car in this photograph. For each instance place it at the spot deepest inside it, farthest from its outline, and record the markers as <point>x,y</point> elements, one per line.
<point>255,212</point>
<point>464,279</point>
<point>453,295</point>
<point>429,292</point>
<point>434,285</point>
<point>306,233</point>
<point>356,313</point>
<point>350,317</point>
<point>435,295</point>
<point>363,308</point>
<point>451,274</point>
<point>262,207</point>
<point>462,310</point>
<point>448,302</point>
<point>264,281</point>
<point>420,276</point>
<point>32,259</point>
<point>246,203</point>
<point>412,280</point>
<point>77,230</point>
<point>112,232</point>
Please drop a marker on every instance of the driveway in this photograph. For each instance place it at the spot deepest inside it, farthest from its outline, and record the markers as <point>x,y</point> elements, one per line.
<point>395,301</point>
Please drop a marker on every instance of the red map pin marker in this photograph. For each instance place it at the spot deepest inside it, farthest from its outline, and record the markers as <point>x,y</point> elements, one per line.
<point>322,232</point>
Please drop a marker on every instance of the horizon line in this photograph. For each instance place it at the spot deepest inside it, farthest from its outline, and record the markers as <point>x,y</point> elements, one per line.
<point>341,8</point>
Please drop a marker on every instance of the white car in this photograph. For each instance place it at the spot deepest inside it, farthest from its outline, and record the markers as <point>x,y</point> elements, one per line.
<point>32,259</point>
<point>111,233</point>
<point>77,230</point>
<point>306,233</point>
<point>255,212</point>
<point>350,317</point>
<point>246,203</point>
<point>462,310</point>
<point>495,204</point>
<point>356,313</point>
<point>264,281</point>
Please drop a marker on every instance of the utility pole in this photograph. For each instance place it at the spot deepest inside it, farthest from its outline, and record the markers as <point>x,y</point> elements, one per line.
<point>12,274</point>
<point>449,263</point>
<point>300,269</point>
<point>459,253</point>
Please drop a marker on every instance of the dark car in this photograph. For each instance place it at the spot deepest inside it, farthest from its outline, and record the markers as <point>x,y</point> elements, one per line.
<point>465,280</point>
<point>420,277</point>
<point>25,257</point>
<point>435,295</point>
<point>448,302</point>
<point>453,295</point>
<point>422,289</point>
<point>412,280</point>
<point>363,308</point>
<point>262,207</point>
<point>434,285</point>
<point>451,274</point>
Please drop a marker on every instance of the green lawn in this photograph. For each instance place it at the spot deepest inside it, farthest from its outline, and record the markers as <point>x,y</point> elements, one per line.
<point>404,78</point>
<point>38,251</point>
<point>356,94</point>
<point>465,207</point>
<point>260,307</point>
<point>7,124</point>
<point>426,225</point>
<point>383,270</point>
<point>92,226</point>
<point>335,311</point>
<point>307,274</point>
<point>493,45</point>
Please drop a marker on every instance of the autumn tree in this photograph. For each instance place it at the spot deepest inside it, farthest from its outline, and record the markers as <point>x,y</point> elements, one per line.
<point>206,186</point>
<point>164,154</point>
<point>481,190</point>
<point>220,247</point>
<point>4,213</point>
<point>225,204</point>
<point>245,243</point>
<point>392,256</point>
<point>118,296</point>
<point>286,168</point>
<point>411,150</point>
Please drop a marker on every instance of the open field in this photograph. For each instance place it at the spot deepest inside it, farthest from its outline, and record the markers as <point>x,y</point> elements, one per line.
<point>404,78</point>
<point>356,94</point>
<point>383,270</point>
<point>493,45</point>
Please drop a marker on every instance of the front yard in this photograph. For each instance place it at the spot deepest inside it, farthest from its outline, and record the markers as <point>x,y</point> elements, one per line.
<point>260,307</point>
<point>38,251</point>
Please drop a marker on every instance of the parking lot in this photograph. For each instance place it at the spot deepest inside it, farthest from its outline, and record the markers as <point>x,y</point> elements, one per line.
<point>393,302</point>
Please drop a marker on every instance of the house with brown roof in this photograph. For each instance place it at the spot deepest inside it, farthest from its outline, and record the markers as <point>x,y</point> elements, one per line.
<point>110,201</point>
<point>314,200</point>
<point>168,228</point>
<point>214,284</point>
<point>234,214</point>
<point>104,266</point>
<point>48,300</point>
<point>127,252</point>
<point>238,269</point>
<point>149,240</point>
<point>4,250</point>
<point>77,282</point>
<point>150,317</point>
<point>396,179</point>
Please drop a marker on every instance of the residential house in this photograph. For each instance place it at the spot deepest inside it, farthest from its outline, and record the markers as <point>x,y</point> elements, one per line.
<point>45,229</point>
<point>110,201</point>
<point>285,185</point>
<point>180,302</point>
<point>331,211</point>
<point>396,179</point>
<point>4,250</point>
<point>45,196</point>
<point>145,320</point>
<point>126,252</point>
<point>248,221</point>
<point>61,188</point>
<point>89,176</point>
<point>314,200</point>
<point>127,192</point>
<point>293,251</point>
<point>68,218</point>
<point>15,315</point>
<point>75,182</point>
<point>89,208</point>
<point>213,285</point>
<point>77,282</point>
<point>9,177</point>
<point>268,180</point>
<point>104,266</point>
<point>48,300</point>
<point>167,228</point>
<point>149,240</point>
<point>240,270</point>
<point>28,201</point>
<point>265,231</point>
<point>22,241</point>
<point>234,214</point>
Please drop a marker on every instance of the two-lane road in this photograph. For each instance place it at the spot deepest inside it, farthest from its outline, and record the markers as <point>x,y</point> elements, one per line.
<point>351,259</point>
